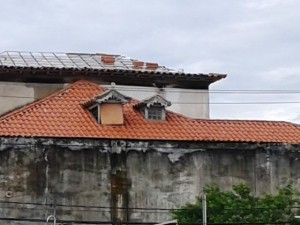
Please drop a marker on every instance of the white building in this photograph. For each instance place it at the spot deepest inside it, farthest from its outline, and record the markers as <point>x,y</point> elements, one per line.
<point>29,76</point>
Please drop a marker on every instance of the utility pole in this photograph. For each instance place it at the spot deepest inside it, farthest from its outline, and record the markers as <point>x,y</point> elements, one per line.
<point>204,210</point>
<point>54,204</point>
<point>53,217</point>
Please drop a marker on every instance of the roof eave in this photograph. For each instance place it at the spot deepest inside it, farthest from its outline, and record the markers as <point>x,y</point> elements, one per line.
<point>121,77</point>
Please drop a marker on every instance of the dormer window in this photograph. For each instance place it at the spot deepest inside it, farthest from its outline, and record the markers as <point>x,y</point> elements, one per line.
<point>155,113</point>
<point>95,112</point>
<point>111,114</point>
<point>107,109</point>
<point>154,108</point>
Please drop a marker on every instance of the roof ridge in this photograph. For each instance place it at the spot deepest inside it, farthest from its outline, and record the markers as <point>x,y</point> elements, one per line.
<point>43,100</point>
<point>58,52</point>
<point>67,53</point>
<point>248,120</point>
<point>79,53</point>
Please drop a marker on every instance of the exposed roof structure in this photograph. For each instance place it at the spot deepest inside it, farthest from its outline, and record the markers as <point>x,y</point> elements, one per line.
<point>76,61</point>
<point>70,67</point>
<point>63,115</point>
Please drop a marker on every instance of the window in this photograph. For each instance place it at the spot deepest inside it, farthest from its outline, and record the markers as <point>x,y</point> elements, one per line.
<point>153,108</point>
<point>155,113</point>
<point>95,112</point>
<point>107,108</point>
<point>111,114</point>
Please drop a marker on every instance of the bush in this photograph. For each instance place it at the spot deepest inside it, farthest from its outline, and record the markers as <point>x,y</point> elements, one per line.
<point>240,206</point>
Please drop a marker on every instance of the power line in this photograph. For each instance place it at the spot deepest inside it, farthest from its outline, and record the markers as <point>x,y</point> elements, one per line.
<point>135,208</point>
<point>178,90</point>
<point>74,221</point>
<point>86,206</point>
<point>133,223</point>
<point>182,103</point>
<point>90,209</point>
<point>243,103</point>
<point>216,91</point>
<point>233,103</point>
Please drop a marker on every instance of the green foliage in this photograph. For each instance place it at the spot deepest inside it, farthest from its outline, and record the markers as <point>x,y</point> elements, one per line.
<point>240,206</point>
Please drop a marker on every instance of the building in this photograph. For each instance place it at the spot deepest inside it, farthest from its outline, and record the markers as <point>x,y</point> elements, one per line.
<point>65,150</point>
<point>29,76</point>
<point>93,153</point>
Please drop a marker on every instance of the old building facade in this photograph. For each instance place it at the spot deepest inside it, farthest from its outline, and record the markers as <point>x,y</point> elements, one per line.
<point>91,153</point>
<point>66,153</point>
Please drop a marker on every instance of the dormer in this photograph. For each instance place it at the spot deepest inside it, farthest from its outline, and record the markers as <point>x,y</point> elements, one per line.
<point>154,108</point>
<point>107,108</point>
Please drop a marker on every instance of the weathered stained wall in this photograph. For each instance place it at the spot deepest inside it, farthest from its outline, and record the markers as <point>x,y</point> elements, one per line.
<point>102,180</point>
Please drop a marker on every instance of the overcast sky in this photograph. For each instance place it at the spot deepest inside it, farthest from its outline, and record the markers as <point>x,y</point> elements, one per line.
<point>255,42</point>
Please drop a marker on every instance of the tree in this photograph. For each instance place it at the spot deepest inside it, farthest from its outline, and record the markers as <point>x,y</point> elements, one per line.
<point>240,206</point>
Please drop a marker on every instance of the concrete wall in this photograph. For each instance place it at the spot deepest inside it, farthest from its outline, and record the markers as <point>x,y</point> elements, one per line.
<point>94,180</point>
<point>14,95</point>
<point>190,102</point>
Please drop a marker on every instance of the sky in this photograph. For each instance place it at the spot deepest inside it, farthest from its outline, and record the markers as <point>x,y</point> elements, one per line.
<point>255,42</point>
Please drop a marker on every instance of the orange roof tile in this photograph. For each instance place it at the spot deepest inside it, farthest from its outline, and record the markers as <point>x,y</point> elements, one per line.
<point>63,115</point>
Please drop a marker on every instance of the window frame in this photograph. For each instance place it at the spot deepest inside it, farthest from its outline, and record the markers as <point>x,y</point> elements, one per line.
<point>154,112</point>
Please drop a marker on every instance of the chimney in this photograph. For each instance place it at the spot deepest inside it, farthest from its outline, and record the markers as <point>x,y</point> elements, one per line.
<point>108,59</point>
<point>138,64</point>
<point>151,66</point>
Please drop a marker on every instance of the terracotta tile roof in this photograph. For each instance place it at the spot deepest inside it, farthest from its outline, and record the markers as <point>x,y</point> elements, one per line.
<point>63,115</point>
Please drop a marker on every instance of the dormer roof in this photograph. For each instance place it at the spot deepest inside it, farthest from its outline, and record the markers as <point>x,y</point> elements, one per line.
<point>111,96</point>
<point>156,99</point>
<point>62,115</point>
